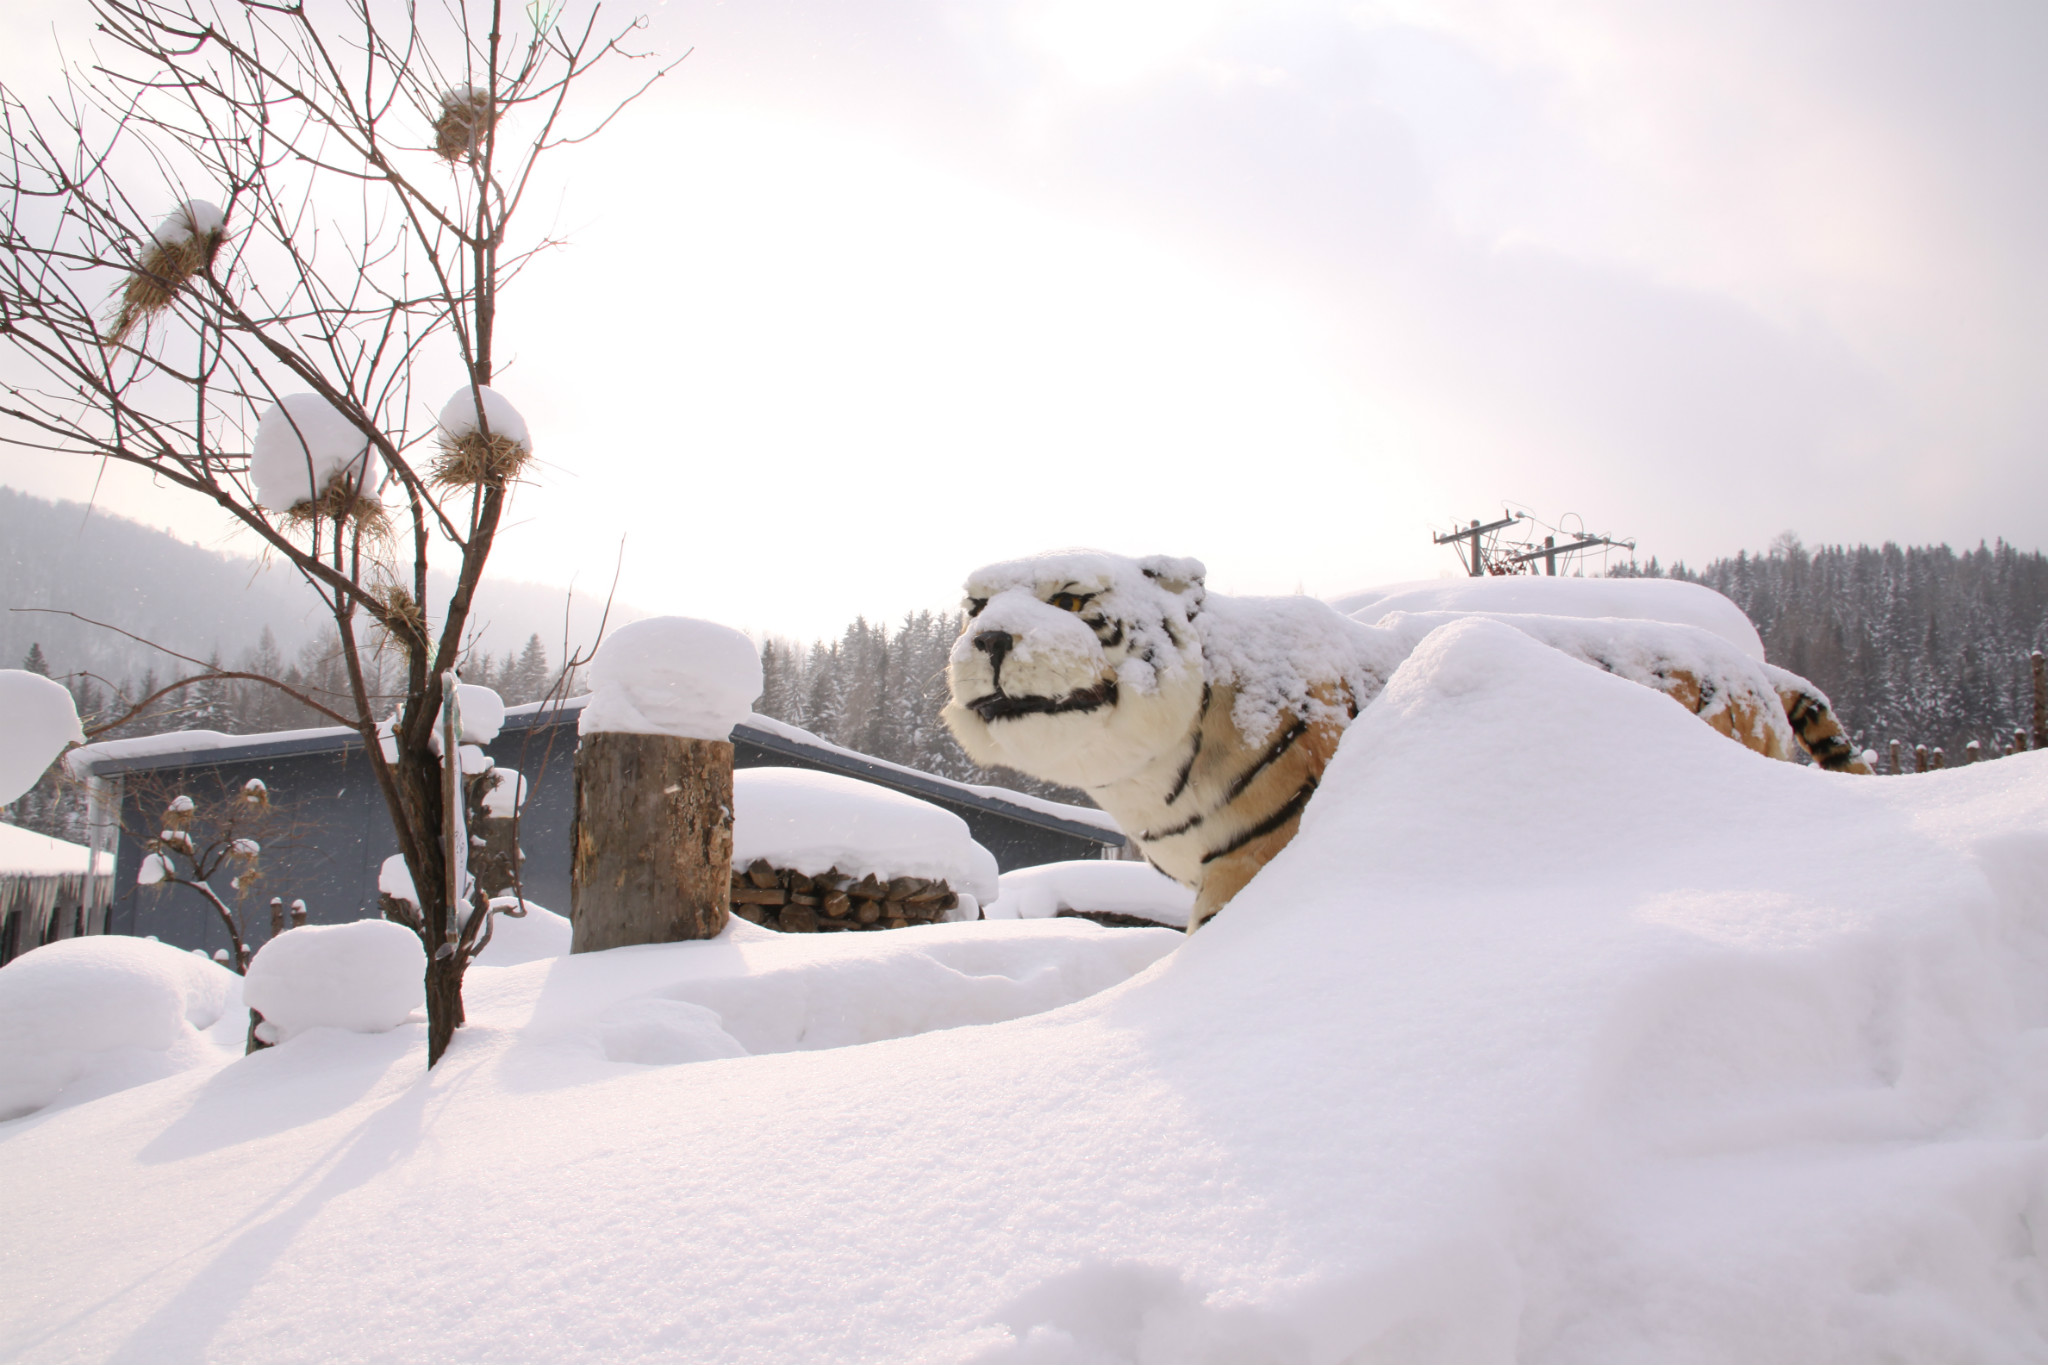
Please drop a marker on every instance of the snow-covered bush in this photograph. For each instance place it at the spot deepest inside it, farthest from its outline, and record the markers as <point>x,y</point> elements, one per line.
<point>37,720</point>
<point>364,976</point>
<point>83,1017</point>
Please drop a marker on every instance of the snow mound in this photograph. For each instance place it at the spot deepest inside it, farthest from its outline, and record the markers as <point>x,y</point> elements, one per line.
<point>193,218</point>
<point>303,444</point>
<point>459,417</point>
<point>752,991</point>
<point>1636,599</point>
<point>84,1017</point>
<point>38,720</point>
<point>1643,651</point>
<point>537,934</point>
<point>1116,888</point>
<point>672,675</point>
<point>1722,1060</point>
<point>367,977</point>
<point>814,822</point>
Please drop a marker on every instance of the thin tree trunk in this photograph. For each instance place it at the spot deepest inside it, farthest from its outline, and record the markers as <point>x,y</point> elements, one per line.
<point>653,840</point>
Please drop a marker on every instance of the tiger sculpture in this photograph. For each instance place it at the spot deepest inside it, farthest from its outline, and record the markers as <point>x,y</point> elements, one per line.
<point>1203,723</point>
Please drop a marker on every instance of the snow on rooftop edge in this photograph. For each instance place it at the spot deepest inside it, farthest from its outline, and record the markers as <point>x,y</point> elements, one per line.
<point>23,852</point>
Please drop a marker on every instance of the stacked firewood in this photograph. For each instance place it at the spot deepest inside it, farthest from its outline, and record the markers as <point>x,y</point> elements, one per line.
<point>786,899</point>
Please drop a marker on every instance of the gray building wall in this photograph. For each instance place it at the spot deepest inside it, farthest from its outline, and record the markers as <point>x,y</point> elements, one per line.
<point>333,834</point>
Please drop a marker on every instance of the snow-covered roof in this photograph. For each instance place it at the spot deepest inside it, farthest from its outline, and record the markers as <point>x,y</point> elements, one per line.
<point>1634,599</point>
<point>25,853</point>
<point>120,755</point>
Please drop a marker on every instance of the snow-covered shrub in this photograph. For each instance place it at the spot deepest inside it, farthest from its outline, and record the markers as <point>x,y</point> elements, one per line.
<point>83,1017</point>
<point>364,977</point>
<point>37,720</point>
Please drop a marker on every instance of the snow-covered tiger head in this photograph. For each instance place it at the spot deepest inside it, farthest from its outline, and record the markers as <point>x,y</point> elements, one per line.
<point>1080,667</point>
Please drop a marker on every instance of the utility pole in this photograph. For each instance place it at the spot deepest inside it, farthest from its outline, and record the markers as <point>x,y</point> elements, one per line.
<point>1505,556</point>
<point>1473,534</point>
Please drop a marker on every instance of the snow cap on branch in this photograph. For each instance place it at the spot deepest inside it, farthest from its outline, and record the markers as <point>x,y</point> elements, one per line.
<point>459,416</point>
<point>195,218</point>
<point>467,455</point>
<point>306,447</point>
<point>481,712</point>
<point>672,675</point>
<point>37,721</point>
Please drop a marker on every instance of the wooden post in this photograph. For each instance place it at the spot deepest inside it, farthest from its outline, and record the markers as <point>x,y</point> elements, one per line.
<point>1896,769</point>
<point>652,840</point>
<point>2040,700</point>
<point>1919,758</point>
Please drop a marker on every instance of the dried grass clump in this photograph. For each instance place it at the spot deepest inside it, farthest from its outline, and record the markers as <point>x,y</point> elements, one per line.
<point>163,270</point>
<point>344,500</point>
<point>476,459</point>
<point>403,614</point>
<point>464,122</point>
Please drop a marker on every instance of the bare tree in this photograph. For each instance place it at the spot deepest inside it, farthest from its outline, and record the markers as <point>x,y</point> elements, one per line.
<point>232,240</point>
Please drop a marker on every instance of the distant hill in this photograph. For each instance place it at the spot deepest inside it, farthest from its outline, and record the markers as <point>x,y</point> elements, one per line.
<point>197,600</point>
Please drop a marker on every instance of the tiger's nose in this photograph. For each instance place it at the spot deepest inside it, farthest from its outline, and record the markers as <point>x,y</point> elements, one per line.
<point>995,644</point>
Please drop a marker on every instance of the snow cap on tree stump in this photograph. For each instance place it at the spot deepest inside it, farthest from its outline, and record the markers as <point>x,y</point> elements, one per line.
<point>672,675</point>
<point>38,720</point>
<point>309,456</point>
<point>466,454</point>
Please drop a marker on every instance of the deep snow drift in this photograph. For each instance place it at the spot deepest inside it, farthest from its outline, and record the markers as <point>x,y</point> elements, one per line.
<point>1716,1059</point>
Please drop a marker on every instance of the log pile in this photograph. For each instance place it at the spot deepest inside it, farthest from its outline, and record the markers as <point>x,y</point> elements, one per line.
<point>786,899</point>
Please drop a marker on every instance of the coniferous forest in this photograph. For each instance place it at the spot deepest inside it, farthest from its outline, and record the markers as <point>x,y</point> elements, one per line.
<point>1926,645</point>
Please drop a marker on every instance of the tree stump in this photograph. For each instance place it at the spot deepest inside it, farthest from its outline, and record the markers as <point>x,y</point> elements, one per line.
<point>652,840</point>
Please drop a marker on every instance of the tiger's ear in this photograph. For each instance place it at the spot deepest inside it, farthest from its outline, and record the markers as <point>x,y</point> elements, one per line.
<point>1182,577</point>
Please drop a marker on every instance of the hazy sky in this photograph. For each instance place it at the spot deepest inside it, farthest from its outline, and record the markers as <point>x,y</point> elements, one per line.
<point>867,294</point>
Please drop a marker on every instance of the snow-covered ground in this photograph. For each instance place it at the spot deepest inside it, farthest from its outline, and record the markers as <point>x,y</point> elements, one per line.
<point>1703,1058</point>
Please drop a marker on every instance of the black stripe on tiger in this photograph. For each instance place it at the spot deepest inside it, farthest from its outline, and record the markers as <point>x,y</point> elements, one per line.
<point>1267,825</point>
<point>1180,783</point>
<point>1266,760</point>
